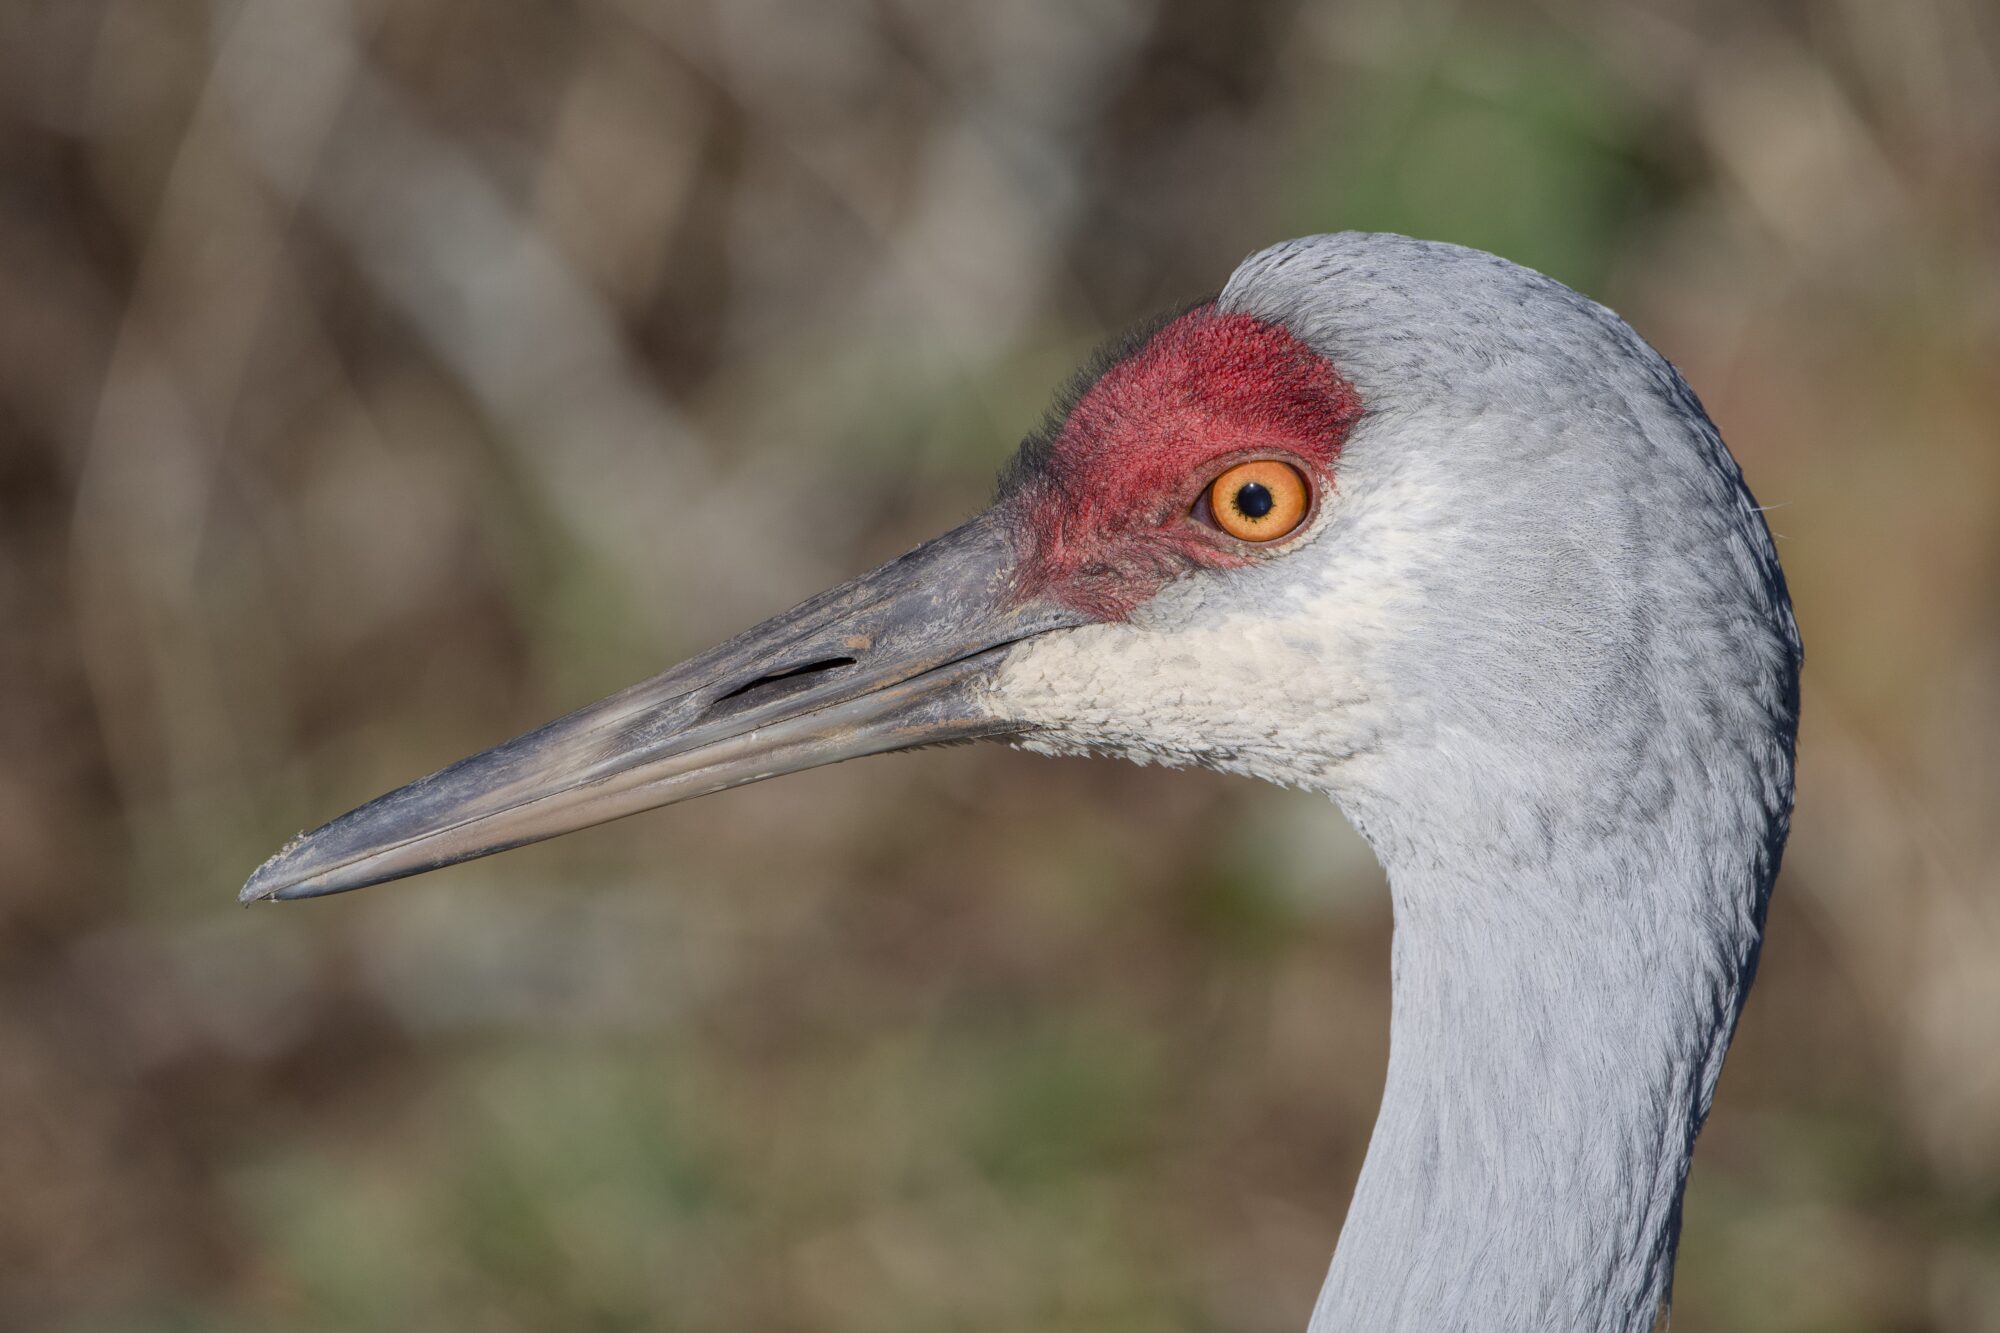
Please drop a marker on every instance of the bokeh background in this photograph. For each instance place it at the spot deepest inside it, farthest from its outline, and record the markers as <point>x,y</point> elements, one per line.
<point>378,379</point>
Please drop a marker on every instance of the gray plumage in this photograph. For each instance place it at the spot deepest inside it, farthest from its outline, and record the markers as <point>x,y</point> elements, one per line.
<point>1533,639</point>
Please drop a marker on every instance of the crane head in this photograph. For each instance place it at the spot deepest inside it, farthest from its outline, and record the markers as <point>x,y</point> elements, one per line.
<point>1269,535</point>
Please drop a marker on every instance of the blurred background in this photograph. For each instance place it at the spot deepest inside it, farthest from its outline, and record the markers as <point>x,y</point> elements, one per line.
<point>379,379</point>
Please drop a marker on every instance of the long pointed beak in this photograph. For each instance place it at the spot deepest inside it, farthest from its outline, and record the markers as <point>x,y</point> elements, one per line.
<point>892,660</point>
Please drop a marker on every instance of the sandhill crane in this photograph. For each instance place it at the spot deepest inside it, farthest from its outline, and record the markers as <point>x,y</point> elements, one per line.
<point>1402,523</point>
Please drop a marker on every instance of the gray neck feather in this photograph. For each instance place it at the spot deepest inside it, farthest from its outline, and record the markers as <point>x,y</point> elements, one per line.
<point>1551,1062</point>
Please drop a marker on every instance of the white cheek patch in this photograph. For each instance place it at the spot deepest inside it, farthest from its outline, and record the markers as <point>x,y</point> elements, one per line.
<point>1271,690</point>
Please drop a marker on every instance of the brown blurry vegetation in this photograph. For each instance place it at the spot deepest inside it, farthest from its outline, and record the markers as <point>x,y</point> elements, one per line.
<point>380,378</point>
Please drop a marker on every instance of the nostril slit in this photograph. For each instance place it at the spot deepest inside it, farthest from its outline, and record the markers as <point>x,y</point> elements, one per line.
<point>789,673</point>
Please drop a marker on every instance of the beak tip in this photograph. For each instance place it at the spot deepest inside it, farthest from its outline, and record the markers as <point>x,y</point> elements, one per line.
<point>275,881</point>
<point>263,886</point>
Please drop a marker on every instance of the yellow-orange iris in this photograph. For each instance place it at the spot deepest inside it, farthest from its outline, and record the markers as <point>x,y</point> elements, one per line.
<point>1259,501</point>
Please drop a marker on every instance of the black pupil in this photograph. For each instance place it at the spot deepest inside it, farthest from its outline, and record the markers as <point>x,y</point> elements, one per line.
<point>1253,499</point>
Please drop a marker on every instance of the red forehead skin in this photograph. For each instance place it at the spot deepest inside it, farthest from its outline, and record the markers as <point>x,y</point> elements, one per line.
<point>1105,522</point>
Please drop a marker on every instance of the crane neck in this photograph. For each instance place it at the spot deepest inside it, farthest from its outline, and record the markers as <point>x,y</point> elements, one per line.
<point>1558,1028</point>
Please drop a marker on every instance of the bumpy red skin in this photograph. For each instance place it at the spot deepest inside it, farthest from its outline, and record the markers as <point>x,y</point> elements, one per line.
<point>1109,521</point>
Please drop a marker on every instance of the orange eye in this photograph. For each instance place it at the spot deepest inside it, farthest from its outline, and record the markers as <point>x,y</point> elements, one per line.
<point>1259,501</point>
